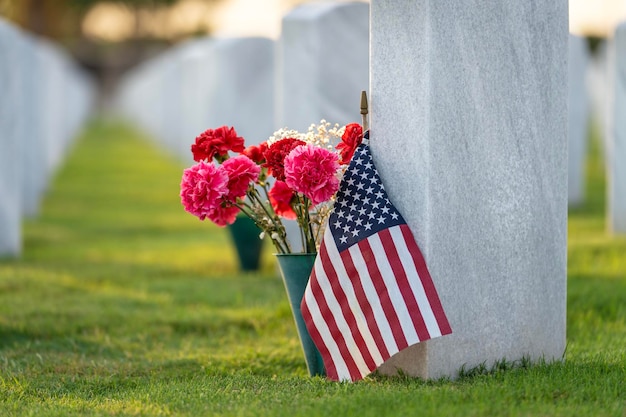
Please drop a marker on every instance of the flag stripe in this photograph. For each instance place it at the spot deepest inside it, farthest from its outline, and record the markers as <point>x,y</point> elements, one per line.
<point>344,296</point>
<point>382,295</point>
<point>427,282</point>
<point>379,322</point>
<point>321,336</point>
<point>403,274</point>
<point>417,288</point>
<point>403,299</point>
<point>330,319</point>
<point>345,260</point>
<point>344,318</point>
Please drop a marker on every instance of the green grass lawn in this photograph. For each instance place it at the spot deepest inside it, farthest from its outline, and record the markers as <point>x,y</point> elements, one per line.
<point>124,305</point>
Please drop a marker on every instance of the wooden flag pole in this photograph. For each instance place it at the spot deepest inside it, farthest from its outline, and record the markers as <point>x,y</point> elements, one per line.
<point>364,111</point>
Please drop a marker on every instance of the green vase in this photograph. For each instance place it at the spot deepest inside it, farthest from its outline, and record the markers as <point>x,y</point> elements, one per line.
<point>245,235</point>
<point>295,269</point>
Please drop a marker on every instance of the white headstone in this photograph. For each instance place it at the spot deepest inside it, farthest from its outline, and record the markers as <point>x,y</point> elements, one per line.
<point>10,142</point>
<point>323,59</point>
<point>616,152</point>
<point>578,118</point>
<point>469,132</point>
<point>204,84</point>
<point>229,81</point>
<point>33,165</point>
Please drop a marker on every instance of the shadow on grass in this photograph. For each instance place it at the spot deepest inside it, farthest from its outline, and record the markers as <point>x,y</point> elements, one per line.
<point>18,342</point>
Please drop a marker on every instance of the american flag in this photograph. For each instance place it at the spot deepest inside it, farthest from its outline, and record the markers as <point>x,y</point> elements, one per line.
<point>370,294</point>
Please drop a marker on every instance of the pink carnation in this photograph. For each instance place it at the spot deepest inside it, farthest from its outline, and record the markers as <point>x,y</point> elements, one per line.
<point>312,171</point>
<point>202,188</point>
<point>241,171</point>
<point>223,215</point>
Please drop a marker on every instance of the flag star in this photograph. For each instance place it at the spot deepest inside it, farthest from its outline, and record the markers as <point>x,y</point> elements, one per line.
<point>360,186</point>
<point>381,219</point>
<point>337,224</point>
<point>394,215</point>
<point>385,210</point>
<point>371,215</point>
<point>343,239</point>
<point>350,181</point>
<point>340,213</point>
<point>369,190</point>
<point>349,218</point>
<point>364,176</point>
<point>358,222</point>
<point>343,203</point>
<point>353,207</point>
<point>368,226</point>
<point>346,228</point>
<point>358,161</point>
<point>362,211</point>
<point>380,194</point>
<point>355,232</point>
<point>376,204</point>
<point>368,165</point>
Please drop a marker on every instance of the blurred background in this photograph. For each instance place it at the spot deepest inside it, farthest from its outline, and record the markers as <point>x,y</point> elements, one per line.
<point>107,37</point>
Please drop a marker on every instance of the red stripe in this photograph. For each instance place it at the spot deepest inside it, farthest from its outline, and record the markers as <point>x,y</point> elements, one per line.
<point>366,307</point>
<point>403,284</point>
<point>427,282</point>
<point>329,364</point>
<point>383,294</point>
<point>329,319</point>
<point>348,313</point>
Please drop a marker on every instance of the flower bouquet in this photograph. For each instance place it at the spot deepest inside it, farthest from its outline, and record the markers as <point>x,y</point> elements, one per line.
<point>292,176</point>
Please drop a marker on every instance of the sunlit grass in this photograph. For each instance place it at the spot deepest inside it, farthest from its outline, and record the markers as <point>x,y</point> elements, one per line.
<point>123,304</point>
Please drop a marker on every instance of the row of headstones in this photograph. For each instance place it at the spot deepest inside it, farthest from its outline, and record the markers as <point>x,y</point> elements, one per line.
<point>44,99</point>
<point>597,92</point>
<point>314,71</point>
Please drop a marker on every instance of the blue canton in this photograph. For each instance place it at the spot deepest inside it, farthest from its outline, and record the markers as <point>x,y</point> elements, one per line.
<point>362,207</point>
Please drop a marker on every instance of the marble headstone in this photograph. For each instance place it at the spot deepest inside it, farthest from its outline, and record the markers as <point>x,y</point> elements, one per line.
<point>11,135</point>
<point>578,118</point>
<point>616,152</point>
<point>204,84</point>
<point>469,133</point>
<point>323,56</point>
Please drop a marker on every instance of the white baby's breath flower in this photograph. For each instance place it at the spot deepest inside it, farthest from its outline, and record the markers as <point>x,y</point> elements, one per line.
<point>284,133</point>
<point>261,235</point>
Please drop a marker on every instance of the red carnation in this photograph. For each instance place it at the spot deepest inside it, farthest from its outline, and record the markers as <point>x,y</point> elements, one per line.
<point>216,143</point>
<point>256,152</point>
<point>281,196</point>
<point>350,140</point>
<point>275,156</point>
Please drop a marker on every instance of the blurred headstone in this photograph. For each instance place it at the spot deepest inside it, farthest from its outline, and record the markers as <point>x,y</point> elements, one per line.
<point>578,118</point>
<point>469,133</point>
<point>323,64</point>
<point>322,67</point>
<point>44,99</point>
<point>616,147</point>
<point>204,84</point>
<point>10,142</point>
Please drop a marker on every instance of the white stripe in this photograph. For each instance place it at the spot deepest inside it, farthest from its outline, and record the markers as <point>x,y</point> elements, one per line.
<point>329,342</point>
<point>353,303</point>
<point>335,310</point>
<point>415,282</point>
<point>372,297</point>
<point>395,296</point>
